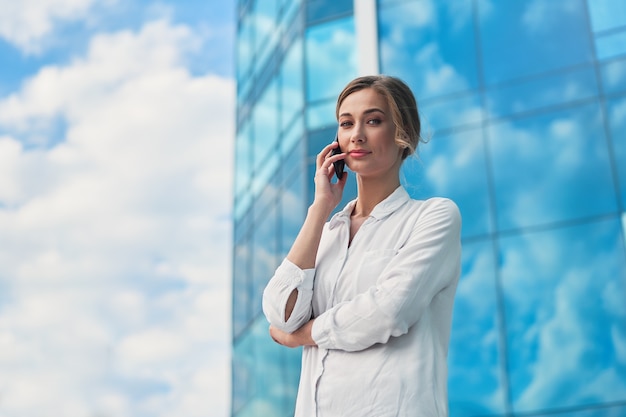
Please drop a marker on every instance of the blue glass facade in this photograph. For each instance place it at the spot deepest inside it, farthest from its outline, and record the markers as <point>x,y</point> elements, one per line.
<point>524,104</point>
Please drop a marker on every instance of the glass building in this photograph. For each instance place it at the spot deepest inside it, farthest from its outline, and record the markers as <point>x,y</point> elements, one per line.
<point>524,103</point>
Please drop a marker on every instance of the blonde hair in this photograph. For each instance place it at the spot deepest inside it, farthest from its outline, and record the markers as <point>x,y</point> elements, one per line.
<point>403,106</point>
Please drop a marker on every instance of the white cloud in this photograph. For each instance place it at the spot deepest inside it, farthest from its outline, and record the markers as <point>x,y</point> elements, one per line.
<point>26,23</point>
<point>618,113</point>
<point>332,51</point>
<point>563,157</point>
<point>614,75</point>
<point>618,337</point>
<point>415,15</point>
<point>114,257</point>
<point>443,172</point>
<point>540,15</point>
<point>439,76</point>
<point>565,348</point>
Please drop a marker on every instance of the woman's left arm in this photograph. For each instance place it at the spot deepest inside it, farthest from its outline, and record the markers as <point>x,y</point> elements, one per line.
<point>427,264</point>
<point>301,337</point>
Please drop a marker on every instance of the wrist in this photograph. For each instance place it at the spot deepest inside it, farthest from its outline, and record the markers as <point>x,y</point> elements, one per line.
<point>320,210</point>
<point>304,334</point>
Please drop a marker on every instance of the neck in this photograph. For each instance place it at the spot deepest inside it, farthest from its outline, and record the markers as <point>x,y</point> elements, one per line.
<point>372,191</point>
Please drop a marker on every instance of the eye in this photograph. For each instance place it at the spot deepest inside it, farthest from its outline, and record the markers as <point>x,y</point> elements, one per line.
<point>374,121</point>
<point>345,123</point>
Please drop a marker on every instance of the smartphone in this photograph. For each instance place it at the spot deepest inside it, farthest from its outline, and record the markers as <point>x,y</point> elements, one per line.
<point>339,165</point>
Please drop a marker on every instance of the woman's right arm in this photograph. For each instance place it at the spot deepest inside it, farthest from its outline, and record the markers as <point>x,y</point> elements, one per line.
<point>287,297</point>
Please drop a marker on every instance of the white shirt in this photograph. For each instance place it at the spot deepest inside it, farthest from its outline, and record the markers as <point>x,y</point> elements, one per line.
<point>383,310</point>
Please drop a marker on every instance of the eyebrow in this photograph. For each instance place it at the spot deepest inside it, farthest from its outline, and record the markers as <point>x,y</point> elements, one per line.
<point>368,111</point>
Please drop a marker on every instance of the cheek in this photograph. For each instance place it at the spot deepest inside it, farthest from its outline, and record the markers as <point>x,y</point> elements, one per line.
<point>393,147</point>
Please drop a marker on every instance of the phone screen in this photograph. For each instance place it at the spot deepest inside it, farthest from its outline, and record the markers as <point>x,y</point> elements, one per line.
<point>339,165</point>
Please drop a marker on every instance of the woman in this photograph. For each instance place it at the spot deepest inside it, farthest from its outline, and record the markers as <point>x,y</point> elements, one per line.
<point>369,294</point>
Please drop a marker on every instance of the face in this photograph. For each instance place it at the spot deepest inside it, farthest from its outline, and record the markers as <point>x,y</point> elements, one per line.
<point>366,133</point>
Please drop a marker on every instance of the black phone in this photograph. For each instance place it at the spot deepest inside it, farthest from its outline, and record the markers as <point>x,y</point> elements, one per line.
<point>339,165</point>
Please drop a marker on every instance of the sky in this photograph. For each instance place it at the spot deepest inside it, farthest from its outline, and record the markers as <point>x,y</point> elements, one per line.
<point>116,132</point>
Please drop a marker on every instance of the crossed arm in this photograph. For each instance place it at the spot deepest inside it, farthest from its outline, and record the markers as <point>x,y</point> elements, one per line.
<point>428,263</point>
<point>301,337</point>
<point>304,249</point>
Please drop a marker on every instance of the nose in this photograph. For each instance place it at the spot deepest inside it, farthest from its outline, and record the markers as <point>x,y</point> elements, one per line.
<point>358,134</point>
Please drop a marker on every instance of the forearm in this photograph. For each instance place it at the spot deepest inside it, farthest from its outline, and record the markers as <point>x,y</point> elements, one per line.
<point>303,252</point>
<point>301,337</point>
<point>304,249</point>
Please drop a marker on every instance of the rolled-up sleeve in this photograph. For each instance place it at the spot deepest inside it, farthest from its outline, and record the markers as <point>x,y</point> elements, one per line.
<point>428,263</point>
<point>288,277</point>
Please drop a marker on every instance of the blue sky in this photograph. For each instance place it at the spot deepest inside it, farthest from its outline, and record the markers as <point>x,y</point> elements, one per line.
<point>116,131</point>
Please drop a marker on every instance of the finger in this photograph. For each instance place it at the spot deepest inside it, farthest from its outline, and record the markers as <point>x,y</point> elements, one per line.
<point>326,154</point>
<point>327,149</point>
<point>328,164</point>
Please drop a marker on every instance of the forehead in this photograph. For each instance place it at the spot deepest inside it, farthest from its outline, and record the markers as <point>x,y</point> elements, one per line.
<point>363,100</point>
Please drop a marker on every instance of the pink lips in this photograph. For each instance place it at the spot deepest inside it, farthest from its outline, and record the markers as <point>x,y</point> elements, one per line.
<point>358,153</point>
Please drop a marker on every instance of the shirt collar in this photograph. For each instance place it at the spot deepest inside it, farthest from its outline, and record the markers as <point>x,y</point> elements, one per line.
<point>390,204</point>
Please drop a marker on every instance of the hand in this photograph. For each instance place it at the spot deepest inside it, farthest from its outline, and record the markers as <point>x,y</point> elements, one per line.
<point>301,337</point>
<point>326,192</point>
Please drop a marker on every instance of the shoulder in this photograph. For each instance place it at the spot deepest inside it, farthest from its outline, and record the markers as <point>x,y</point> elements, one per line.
<point>443,204</point>
<point>437,210</point>
<point>436,205</point>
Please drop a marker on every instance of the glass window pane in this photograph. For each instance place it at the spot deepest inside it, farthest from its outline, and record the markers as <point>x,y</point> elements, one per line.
<point>611,46</point>
<point>430,45</point>
<point>551,168</point>
<point>613,76</point>
<point>289,8</point>
<point>291,85</point>
<point>271,398</point>
<point>243,159</point>
<point>266,173</point>
<point>330,58</point>
<point>607,14</point>
<point>617,122</point>
<point>241,288</point>
<point>317,10</point>
<point>450,113</point>
<point>593,410</point>
<point>245,50</point>
<point>568,86</point>
<point>265,18</point>
<point>265,250</point>
<point>243,90</point>
<point>265,121</point>
<point>243,371</point>
<point>241,226</point>
<point>292,359</point>
<point>564,299</point>
<point>474,377</point>
<point>242,205</point>
<point>293,207</point>
<point>294,157</point>
<point>321,114</point>
<point>262,383</point>
<point>453,166</point>
<point>318,139</point>
<point>526,37</point>
<point>294,135</point>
